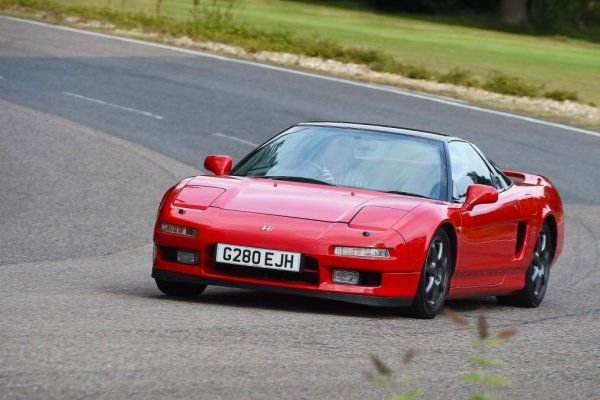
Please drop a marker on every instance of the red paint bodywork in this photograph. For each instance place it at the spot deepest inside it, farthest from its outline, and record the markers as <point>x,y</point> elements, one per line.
<point>312,219</point>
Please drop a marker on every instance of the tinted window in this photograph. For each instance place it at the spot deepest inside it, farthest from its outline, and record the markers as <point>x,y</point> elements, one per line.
<point>500,180</point>
<point>351,157</point>
<point>504,181</point>
<point>467,168</point>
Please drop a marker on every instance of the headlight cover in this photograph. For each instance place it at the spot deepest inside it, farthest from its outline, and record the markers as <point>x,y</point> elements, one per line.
<point>197,197</point>
<point>376,218</point>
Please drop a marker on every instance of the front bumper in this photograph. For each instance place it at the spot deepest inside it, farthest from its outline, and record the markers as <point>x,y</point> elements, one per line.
<point>379,301</point>
<point>314,239</point>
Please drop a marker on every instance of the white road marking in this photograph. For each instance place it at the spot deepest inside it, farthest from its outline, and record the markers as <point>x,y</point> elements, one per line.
<point>389,89</point>
<point>105,103</point>
<point>237,139</point>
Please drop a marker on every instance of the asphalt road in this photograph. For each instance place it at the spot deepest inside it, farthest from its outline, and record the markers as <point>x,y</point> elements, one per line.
<point>93,130</point>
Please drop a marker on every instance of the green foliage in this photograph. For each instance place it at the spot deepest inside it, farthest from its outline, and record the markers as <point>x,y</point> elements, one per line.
<point>491,342</point>
<point>483,360</point>
<point>562,95</point>
<point>380,380</point>
<point>410,395</point>
<point>484,379</point>
<point>459,76</point>
<point>415,72</point>
<point>511,85</point>
<point>386,63</point>
<point>400,387</point>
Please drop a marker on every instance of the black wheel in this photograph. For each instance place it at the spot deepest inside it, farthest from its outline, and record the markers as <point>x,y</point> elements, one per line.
<point>537,275</point>
<point>435,278</point>
<point>179,289</point>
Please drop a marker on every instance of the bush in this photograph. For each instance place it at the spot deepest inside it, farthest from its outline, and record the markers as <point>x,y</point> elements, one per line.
<point>511,85</point>
<point>416,72</point>
<point>562,95</point>
<point>458,76</point>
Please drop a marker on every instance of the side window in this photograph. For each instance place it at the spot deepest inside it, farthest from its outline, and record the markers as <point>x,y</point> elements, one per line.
<point>504,180</point>
<point>500,181</point>
<point>467,168</point>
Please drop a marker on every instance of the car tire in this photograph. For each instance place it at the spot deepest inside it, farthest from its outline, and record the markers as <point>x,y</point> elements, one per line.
<point>435,277</point>
<point>179,289</point>
<point>537,275</point>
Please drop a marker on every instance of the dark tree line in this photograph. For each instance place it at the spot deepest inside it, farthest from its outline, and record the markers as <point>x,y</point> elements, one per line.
<point>546,14</point>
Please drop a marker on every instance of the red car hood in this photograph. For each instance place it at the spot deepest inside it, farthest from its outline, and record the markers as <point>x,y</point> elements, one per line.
<point>291,199</point>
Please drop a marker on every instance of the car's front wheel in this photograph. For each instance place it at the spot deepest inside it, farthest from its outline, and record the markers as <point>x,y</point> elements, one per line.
<point>537,275</point>
<point>435,277</point>
<point>179,289</point>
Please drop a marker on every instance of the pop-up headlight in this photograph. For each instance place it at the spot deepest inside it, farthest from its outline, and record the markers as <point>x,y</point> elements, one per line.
<point>197,197</point>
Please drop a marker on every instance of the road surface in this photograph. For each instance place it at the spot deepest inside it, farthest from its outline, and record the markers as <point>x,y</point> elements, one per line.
<point>94,129</point>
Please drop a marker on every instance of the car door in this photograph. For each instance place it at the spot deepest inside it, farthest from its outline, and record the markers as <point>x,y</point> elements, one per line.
<point>488,233</point>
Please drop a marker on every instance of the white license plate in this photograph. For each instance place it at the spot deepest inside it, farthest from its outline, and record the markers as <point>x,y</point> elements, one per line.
<point>260,258</point>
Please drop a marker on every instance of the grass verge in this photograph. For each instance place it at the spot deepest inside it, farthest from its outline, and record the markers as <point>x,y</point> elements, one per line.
<point>425,46</point>
<point>216,23</point>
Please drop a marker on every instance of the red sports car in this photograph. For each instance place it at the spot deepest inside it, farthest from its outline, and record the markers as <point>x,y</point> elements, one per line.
<point>370,214</point>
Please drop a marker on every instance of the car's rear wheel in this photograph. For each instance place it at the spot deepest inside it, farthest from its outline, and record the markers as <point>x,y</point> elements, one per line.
<point>537,275</point>
<point>179,289</point>
<point>435,277</point>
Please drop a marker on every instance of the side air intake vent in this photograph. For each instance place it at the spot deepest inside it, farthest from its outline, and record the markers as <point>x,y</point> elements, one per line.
<point>521,230</point>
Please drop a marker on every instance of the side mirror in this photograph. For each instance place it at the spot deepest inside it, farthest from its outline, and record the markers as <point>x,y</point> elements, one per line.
<point>480,194</point>
<point>218,164</point>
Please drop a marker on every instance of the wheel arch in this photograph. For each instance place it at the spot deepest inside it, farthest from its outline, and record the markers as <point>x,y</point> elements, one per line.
<point>419,227</point>
<point>550,220</point>
<point>451,232</point>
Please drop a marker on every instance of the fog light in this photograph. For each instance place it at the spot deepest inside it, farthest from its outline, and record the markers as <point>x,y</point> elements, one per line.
<point>361,252</point>
<point>187,257</point>
<point>345,276</point>
<point>178,230</point>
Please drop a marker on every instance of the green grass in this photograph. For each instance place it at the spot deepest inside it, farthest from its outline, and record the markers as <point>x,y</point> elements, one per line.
<point>558,67</point>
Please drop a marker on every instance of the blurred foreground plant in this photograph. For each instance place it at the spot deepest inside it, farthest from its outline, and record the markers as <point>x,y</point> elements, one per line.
<point>482,361</point>
<point>400,386</point>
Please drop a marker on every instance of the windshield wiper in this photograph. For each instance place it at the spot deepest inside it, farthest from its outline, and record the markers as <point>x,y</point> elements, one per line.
<point>407,194</point>
<point>294,179</point>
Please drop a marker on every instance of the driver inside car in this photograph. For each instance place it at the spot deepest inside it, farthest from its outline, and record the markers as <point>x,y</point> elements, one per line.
<point>336,164</point>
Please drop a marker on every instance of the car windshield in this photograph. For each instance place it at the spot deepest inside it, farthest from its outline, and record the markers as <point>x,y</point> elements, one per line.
<point>382,161</point>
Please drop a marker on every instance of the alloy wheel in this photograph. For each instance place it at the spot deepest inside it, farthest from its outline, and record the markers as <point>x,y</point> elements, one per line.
<point>540,265</point>
<point>436,272</point>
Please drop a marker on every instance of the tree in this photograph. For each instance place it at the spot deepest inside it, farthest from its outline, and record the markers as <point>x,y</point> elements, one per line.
<point>548,16</point>
<point>564,15</point>
<point>514,12</point>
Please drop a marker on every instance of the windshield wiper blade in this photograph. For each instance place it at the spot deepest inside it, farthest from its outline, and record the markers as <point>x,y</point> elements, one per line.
<point>407,194</point>
<point>295,179</point>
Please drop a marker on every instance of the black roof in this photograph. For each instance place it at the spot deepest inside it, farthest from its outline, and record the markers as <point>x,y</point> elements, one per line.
<point>383,128</point>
